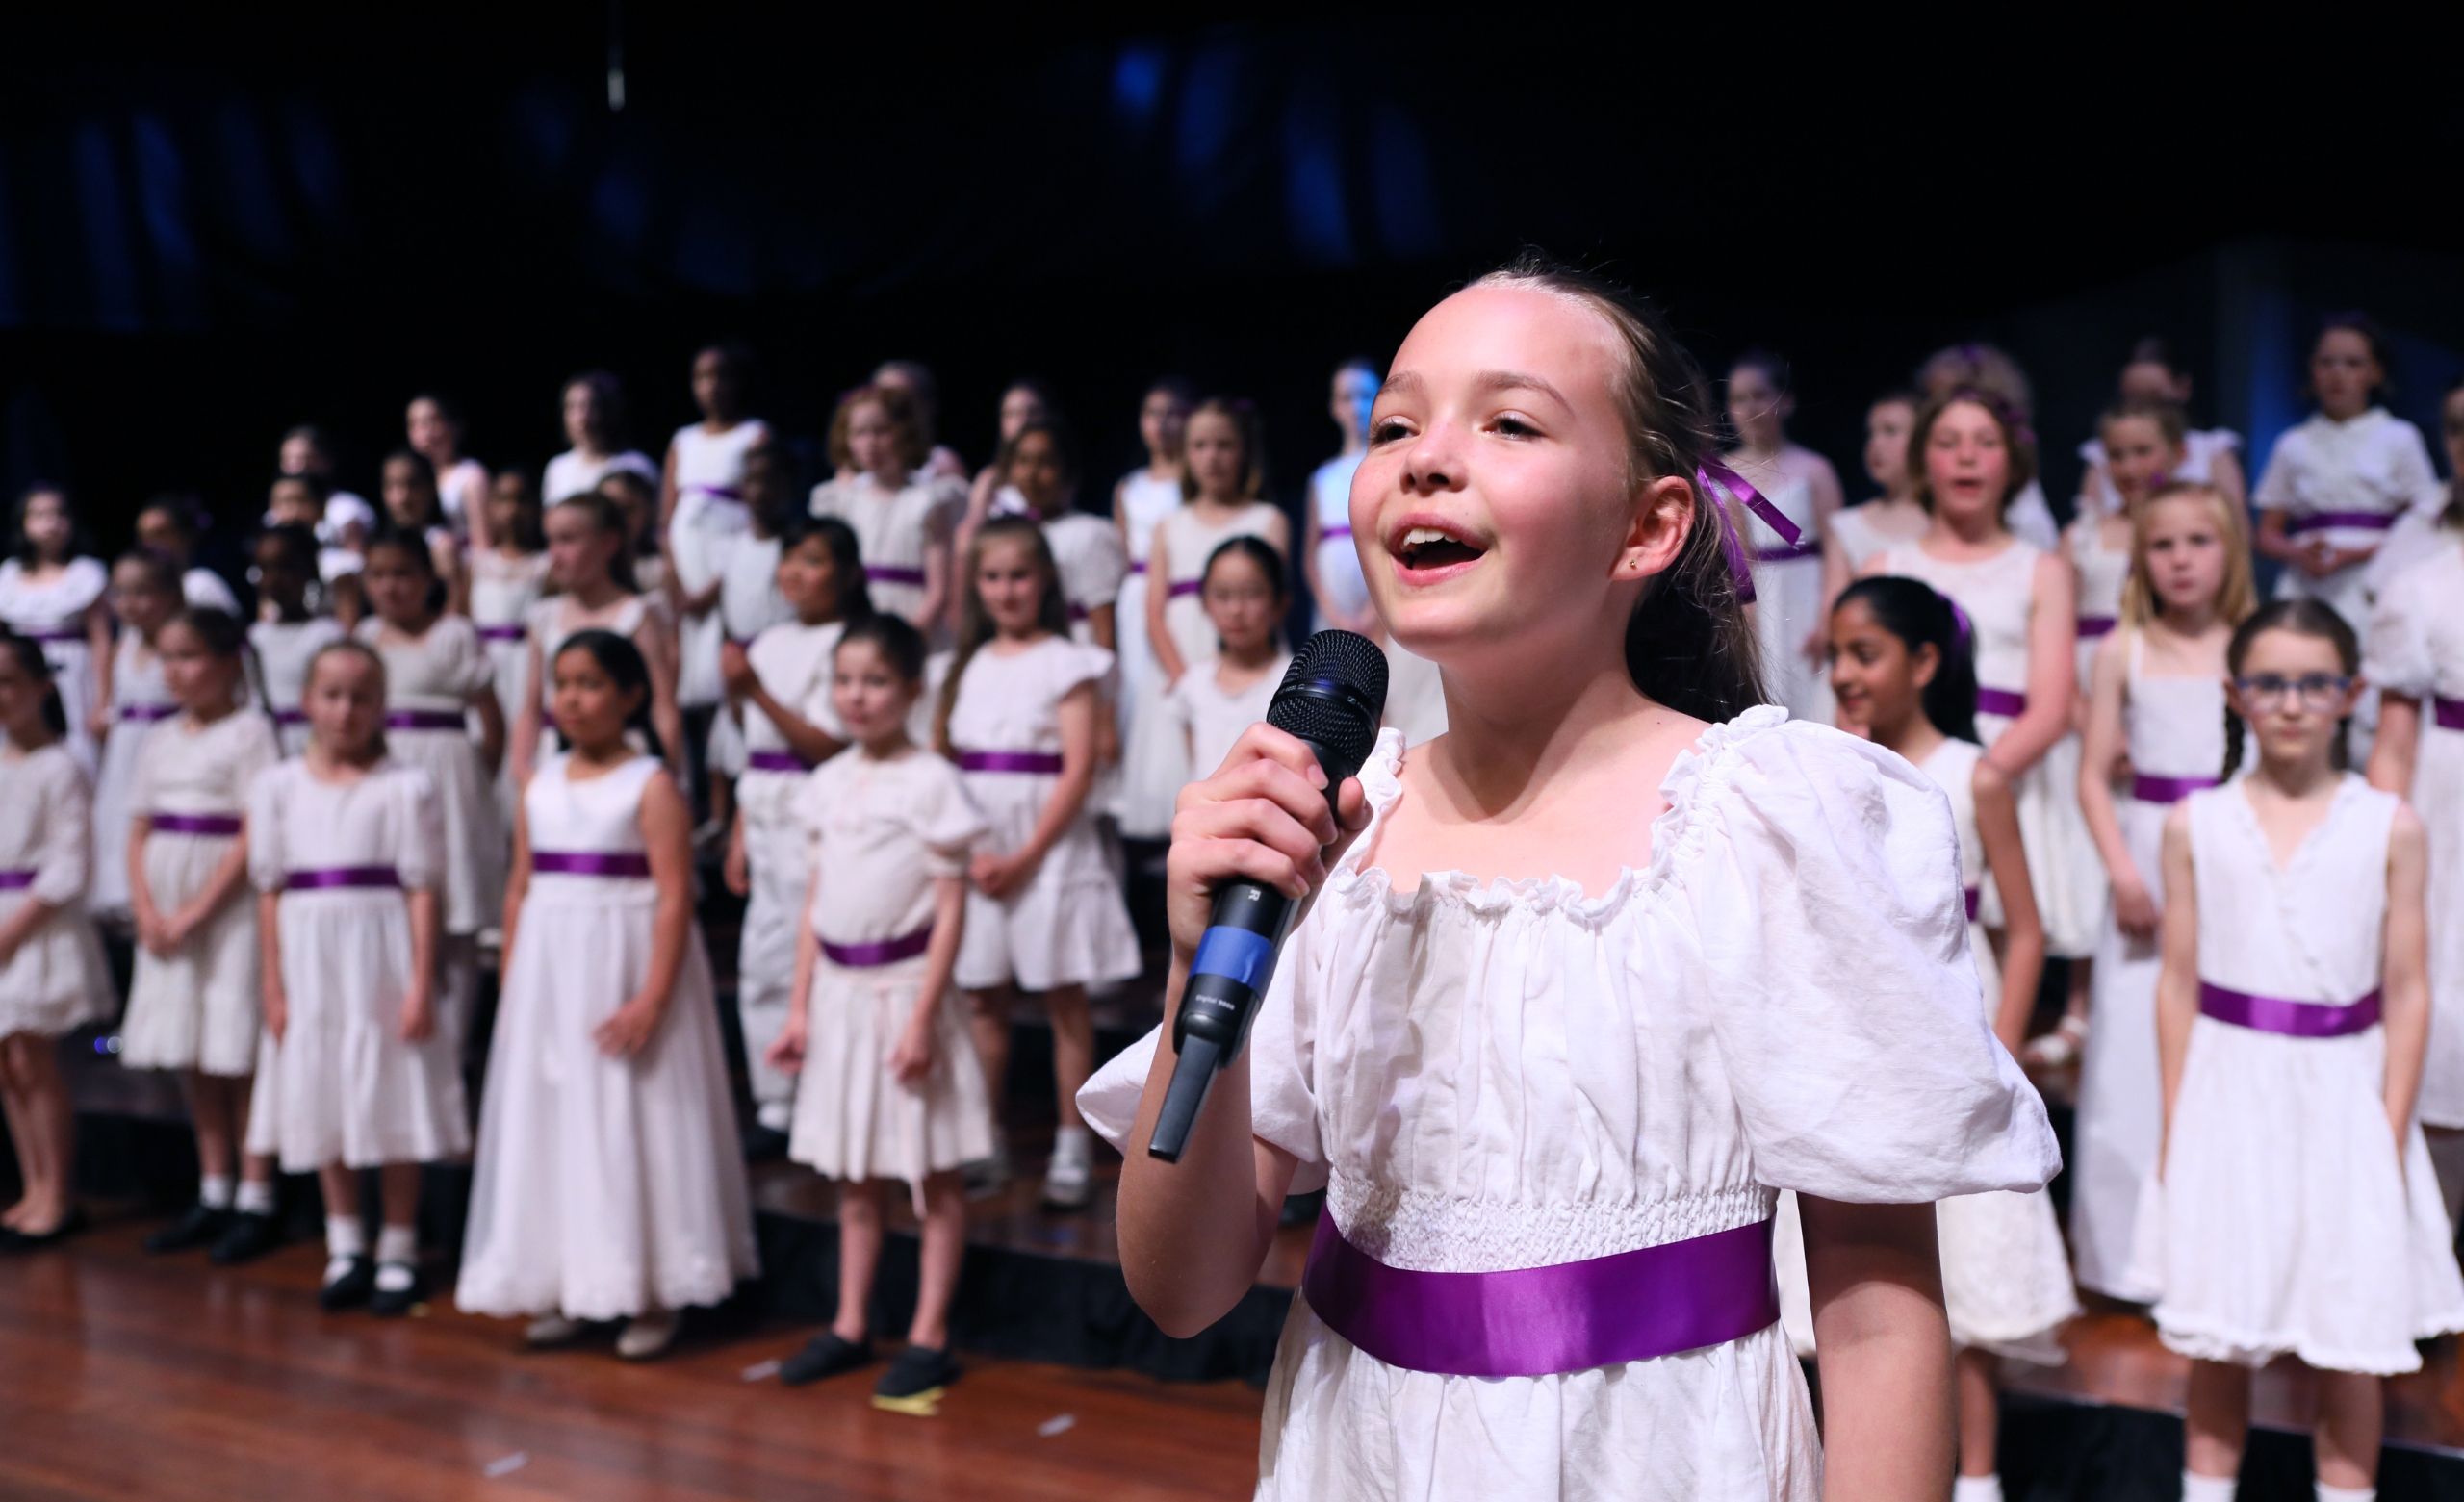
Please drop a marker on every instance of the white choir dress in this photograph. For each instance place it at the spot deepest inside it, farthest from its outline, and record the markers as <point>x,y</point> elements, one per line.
<point>604,1187</point>
<point>502,590</point>
<point>1859,539</point>
<point>2201,449</point>
<point>1211,719</point>
<point>1144,501</point>
<point>54,614</point>
<point>342,1086</point>
<point>1337,560</point>
<point>1999,595</point>
<point>2029,518</point>
<point>2174,727</point>
<point>1068,923</point>
<point>1522,1073</point>
<point>140,703</point>
<point>2287,1221</point>
<point>197,1007</point>
<point>794,663</point>
<point>894,532</point>
<point>58,981</point>
<point>429,683</point>
<point>2352,482</point>
<point>1788,593</point>
<point>709,520</point>
<point>1155,764</point>
<point>2103,572</point>
<point>2416,649</point>
<point>284,649</point>
<point>880,832</point>
<point>1087,555</point>
<point>462,492</point>
<point>570,474</point>
<point>749,604</point>
<point>203,589</point>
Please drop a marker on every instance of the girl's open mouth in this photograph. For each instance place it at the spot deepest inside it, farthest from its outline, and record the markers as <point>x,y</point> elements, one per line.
<point>1425,549</point>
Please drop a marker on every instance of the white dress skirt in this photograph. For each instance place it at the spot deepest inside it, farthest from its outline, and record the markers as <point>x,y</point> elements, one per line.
<point>2417,648</point>
<point>2287,1220</point>
<point>1067,925</point>
<point>604,1187</point>
<point>197,1007</point>
<point>1510,1075</point>
<point>1145,502</point>
<point>881,832</point>
<point>284,649</point>
<point>54,614</point>
<point>429,683</point>
<point>502,590</point>
<point>2175,730</point>
<point>2063,866</point>
<point>794,663</point>
<point>342,1086</point>
<point>139,703</point>
<point>57,981</point>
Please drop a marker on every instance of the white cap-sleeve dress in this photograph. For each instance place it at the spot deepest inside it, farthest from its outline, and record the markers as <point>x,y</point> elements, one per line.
<point>57,981</point>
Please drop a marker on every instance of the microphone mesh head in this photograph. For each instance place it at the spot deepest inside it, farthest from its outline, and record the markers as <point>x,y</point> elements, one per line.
<point>1331,696</point>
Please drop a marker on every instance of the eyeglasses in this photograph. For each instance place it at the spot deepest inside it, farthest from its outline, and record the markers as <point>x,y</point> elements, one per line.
<point>2320,692</point>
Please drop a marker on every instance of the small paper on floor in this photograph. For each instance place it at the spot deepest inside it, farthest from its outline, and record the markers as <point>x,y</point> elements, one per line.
<point>924,1405</point>
<point>760,1372</point>
<point>1058,1424</point>
<point>505,1465</point>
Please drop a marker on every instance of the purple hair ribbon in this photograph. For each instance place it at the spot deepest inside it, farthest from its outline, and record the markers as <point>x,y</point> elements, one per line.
<point>1710,475</point>
<point>1959,617</point>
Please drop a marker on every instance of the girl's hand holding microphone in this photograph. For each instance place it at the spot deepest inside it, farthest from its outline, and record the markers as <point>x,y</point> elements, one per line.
<point>1262,817</point>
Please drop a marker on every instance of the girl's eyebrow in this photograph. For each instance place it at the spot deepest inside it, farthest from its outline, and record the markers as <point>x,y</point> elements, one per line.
<point>1408,383</point>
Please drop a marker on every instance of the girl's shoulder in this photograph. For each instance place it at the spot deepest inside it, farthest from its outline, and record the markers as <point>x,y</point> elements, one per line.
<point>44,772</point>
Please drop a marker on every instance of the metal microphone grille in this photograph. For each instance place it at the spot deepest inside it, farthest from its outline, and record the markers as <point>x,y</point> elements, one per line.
<point>1332,697</point>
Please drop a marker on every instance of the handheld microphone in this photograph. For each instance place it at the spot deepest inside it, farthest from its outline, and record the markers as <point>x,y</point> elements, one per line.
<point>1331,698</point>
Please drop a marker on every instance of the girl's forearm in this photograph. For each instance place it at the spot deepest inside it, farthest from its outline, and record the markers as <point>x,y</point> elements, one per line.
<point>141,892</point>
<point>2407,1023</point>
<point>1062,809</point>
<point>2030,736</point>
<point>941,956</point>
<point>1888,1417</point>
<point>2104,823</point>
<point>424,937</point>
<point>670,932</point>
<point>229,873</point>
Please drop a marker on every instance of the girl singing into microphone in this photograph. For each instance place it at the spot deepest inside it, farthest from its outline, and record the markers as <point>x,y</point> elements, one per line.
<point>1589,978</point>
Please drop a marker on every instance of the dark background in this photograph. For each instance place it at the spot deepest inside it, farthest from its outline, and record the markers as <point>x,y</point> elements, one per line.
<point>213,225</point>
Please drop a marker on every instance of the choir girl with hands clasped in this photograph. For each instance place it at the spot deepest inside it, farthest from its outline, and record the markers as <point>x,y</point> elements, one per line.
<point>2298,1212</point>
<point>53,977</point>
<point>1229,691</point>
<point>610,1180</point>
<point>2157,690</point>
<point>1044,913</point>
<point>890,1088</point>
<point>1787,577</point>
<point>287,636</point>
<point>902,514</point>
<point>1567,1008</point>
<point>51,592</point>
<point>783,681</point>
<point>356,1068</point>
<point>193,1003</point>
<point>2416,657</point>
<point>590,560</point>
<point>146,594</point>
<point>1899,660</point>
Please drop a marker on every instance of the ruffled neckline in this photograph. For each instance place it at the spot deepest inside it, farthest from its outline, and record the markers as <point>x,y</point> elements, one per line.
<point>1697,776</point>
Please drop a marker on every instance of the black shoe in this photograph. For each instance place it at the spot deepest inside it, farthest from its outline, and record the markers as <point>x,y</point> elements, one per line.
<point>202,1226</point>
<point>824,1356</point>
<point>351,1289</point>
<point>919,1375</point>
<point>249,1236</point>
<point>763,1144</point>
<point>15,1240</point>
<point>393,1302</point>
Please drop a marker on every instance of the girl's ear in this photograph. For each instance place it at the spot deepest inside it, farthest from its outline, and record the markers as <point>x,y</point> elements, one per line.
<point>1923,664</point>
<point>1664,513</point>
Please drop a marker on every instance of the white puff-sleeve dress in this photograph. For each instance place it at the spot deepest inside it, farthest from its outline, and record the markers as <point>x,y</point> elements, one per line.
<point>57,981</point>
<point>881,832</point>
<point>893,533</point>
<point>1067,925</point>
<point>139,702</point>
<point>1524,1075</point>
<point>1086,554</point>
<point>284,650</point>
<point>429,683</point>
<point>342,1086</point>
<point>197,1007</point>
<point>604,1187</point>
<point>55,614</point>
<point>2288,1220</point>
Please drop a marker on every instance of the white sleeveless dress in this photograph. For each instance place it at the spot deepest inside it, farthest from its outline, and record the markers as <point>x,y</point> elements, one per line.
<point>1788,597</point>
<point>1337,560</point>
<point>2174,727</point>
<point>2417,648</point>
<point>709,520</point>
<point>139,702</point>
<point>2201,449</point>
<point>893,533</point>
<point>2069,877</point>
<point>58,981</point>
<point>2102,574</point>
<point>284,648</point>
<point>569,473</point>
<point>429,684</point>
<point>1145,502</point>
<point>604,1186</point>
<point>502,590</point>
<point>54,614</point>
<point>2287,1221</point>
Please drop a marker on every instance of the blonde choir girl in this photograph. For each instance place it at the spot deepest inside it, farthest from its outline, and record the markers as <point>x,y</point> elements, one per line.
<point>902,516</point>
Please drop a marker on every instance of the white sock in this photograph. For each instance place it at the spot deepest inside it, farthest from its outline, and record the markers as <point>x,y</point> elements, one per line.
<point>214,1191</point>
<point>399,1244</point>
<point>1977,1488</point>
<point>2197,1487</point>
<point>775,1114</point>
<point>2328,1494</point>
<point>1075,1143</point>
<point>344,1236</point>
<point>254,1199</point>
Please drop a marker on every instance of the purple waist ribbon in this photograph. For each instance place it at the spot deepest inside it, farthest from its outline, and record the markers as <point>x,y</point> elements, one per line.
<point>892,573</point>
<point>1138,565</point>
<point>64,634</point>
<point>2448,713</point>
<point>2165,790</point>
<point>591,863</point>
<point>514,632</point>
<point>774,761</point>
<point>225,824</point>
<point>142,714</point>
<point>1036,763</point>
<point>424,720</point>
<point>879,953</point>
<point>1333,532</point>
<point>2001,701</point>
<point>1182,586</point>
<point>2291,1019</point>
<point>1975,897</point>
<point>290,717</point>
<point>2320,520</point>
<point>15,880</point>
<point>333,877</point>
<point>1540,1321</point>
<point>2092,626</point>
<point>1789,552</point>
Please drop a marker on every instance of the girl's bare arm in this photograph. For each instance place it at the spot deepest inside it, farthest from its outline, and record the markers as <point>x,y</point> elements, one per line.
<point>1998,825</point>
<point>2404,987</point>
<point>1876,1282</point>
<point>2177,981</point>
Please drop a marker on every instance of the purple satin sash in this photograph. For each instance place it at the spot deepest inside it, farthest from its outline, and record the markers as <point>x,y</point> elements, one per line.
<point>2166,790</point>
<point>1975,899</point>
<point>718,492</point>
<point>224,824</point>
<point>1138,565</point>
<point>879,953</point>
<point>892,573</point>
<point>2001,701</point>
<point>515,632</point>
<point>290,717</point>
<point>1077,611</point>
<point>143,714</point>
<point>2448,713</point>
<point>2291,1019</point>
<point>1182,586</point>
<point>424,720</point>
<point>2092,626</point>
<point>333,877</point>
<point>1789,552</point>
<point>1540,1321</point>
<point>15,880</point>
<point>2320,520</point>
<point>65,634</point>
<point>774,761</point>
<point>590,862</point>
<point>1335,531</point>
<point>1036,763</point>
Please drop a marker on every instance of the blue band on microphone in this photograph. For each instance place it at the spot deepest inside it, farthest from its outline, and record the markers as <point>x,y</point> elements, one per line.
<point>1235,955</point>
